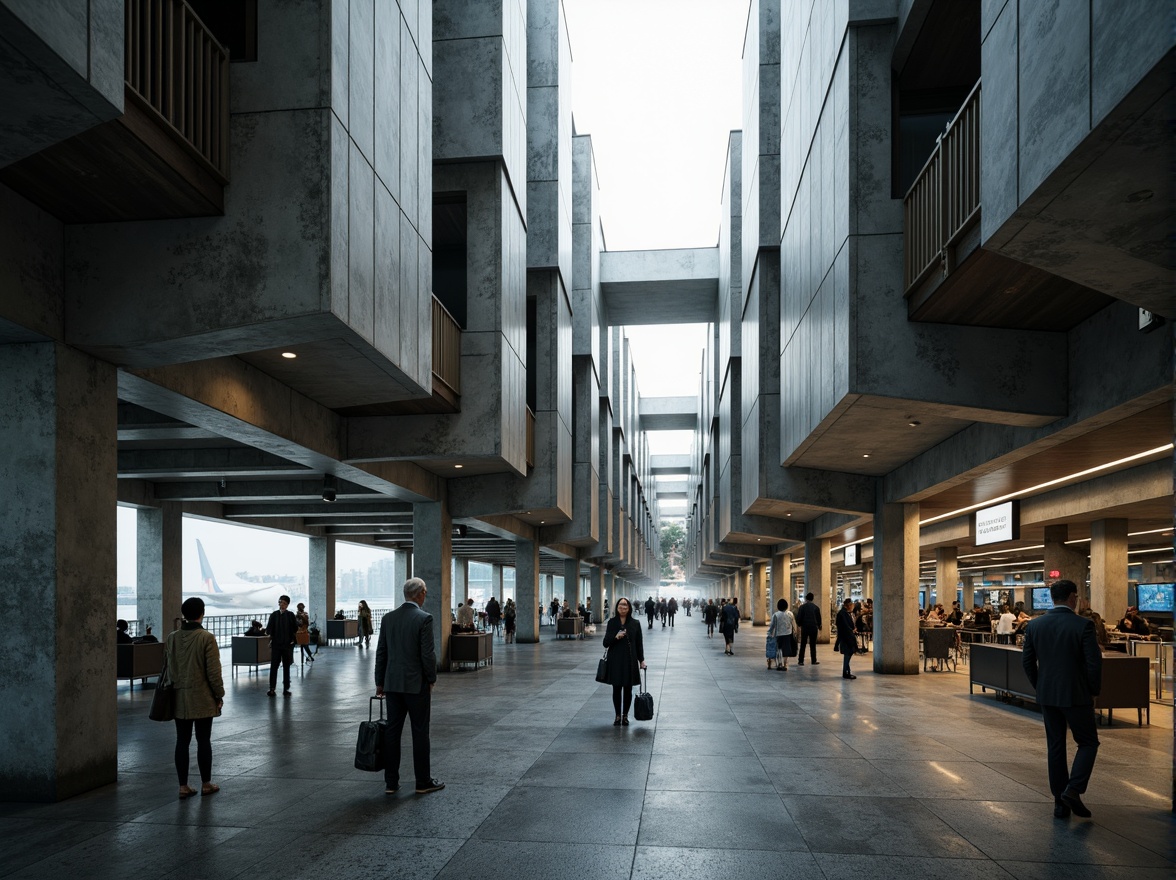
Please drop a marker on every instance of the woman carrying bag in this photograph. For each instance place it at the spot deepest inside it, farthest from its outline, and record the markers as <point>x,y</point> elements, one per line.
<point>625,660</point>
<point>783,630</point>
<point>194,669</point>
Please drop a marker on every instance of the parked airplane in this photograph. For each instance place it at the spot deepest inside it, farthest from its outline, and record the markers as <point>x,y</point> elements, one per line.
<point>238,594</point>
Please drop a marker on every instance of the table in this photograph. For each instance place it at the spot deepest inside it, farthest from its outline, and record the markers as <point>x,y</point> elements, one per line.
<point>471,648</point>
<point>340,630</point>
<point>570,627</point>
<point>250,651</point>
<point>143,660</point>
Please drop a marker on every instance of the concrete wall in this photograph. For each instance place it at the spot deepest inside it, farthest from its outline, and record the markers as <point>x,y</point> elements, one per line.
<point>761,132</point>
<point>332,242</point>
<point>61,70</point>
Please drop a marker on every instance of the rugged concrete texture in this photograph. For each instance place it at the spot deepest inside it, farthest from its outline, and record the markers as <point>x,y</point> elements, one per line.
<point>597,577</point>
<point>159,569</point>
<point>818,580</point>
<point>61,71</point>
<point>527,591</point>
<point>780,580</point>
<point>759,610</point>
<point>432,541</point>
<point>674,286</point>
<point>1108,561</point>
<point>1070,563</point>
<point>57,558</point>
<point>321,583</point>
<point>571,582</point>
<point>947,575</point>
<point>461,580</point>
<point>896,588</point>
<point>760,172</point>
<point>31,272</point>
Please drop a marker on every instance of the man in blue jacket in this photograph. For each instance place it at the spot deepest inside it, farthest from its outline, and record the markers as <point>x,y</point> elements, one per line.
<point>1063,662</point>
<point>406,670</point>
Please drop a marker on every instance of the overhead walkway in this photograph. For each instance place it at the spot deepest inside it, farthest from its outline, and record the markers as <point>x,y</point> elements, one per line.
<point>744,773</point>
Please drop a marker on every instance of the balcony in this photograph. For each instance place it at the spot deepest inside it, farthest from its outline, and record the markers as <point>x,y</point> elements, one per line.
<point>949,278</point>
<point>446,358</point>
<point>168,154</point>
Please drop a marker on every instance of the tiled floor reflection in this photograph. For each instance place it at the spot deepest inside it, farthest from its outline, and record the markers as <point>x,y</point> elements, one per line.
<point>745,772</point>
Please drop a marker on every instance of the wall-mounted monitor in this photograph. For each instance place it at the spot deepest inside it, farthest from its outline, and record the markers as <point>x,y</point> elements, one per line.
<point>1039,599</point>
<point>1155,598</point>
<point>853,554</point>
<point>1001,522</point>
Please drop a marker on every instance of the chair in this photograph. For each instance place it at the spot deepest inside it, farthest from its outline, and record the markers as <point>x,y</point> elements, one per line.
<point>938,645</point>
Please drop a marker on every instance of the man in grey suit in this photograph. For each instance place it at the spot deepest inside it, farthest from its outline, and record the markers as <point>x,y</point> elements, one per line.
<point>1063,662</point>
<point>406,670</point>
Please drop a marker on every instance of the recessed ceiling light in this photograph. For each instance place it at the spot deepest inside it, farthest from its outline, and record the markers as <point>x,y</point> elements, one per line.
<point>458,466</point>
<point>865,455</point>
<point>913,423</point>
<point>289,355</point>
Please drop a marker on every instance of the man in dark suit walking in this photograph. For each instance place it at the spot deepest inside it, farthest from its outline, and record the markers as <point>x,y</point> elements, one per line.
<point>406,670</point>
<point>808,618</point>
<point>1063,662</point>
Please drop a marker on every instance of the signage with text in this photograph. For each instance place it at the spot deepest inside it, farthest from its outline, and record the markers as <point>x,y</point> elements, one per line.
<point>853,554</point>
<point>999,523</point>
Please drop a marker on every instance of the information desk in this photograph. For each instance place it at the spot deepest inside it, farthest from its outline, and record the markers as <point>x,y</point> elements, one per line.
<point>342,629</point>
<point>140,661</point>
<point>471,648</point>
<point>569,627</point>
<point>1124,679</point>
<point>250,651</point>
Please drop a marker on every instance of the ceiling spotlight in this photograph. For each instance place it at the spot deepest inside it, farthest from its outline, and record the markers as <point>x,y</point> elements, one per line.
<point>914,424</point>
<point>330,485</point>
<point>458,467</point>
<point>289,355</point>
<point>865,455</point>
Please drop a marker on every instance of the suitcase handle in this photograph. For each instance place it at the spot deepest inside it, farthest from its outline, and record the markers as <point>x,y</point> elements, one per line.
<point>370,700</point>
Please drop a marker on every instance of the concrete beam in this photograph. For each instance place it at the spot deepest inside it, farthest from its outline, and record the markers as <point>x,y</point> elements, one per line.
<point>153,464</point>
<point>667,413</point>
<point>258,490</point>
<point>393,510</point>
<point>660,286</point>
<point>669,465</point>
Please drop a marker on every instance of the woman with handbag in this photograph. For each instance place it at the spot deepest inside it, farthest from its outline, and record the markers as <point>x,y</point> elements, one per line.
<point>625,660</point>
<point>194,669</point>
<point>365,626</point>
<point>783,628</point>
<point>302,634</point>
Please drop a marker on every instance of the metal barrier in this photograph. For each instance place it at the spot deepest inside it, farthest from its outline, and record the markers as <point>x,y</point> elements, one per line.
<point>179,70</point>
<point>446,348</point>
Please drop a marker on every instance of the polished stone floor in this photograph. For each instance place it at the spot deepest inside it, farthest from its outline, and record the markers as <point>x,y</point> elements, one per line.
<point>744,773</point>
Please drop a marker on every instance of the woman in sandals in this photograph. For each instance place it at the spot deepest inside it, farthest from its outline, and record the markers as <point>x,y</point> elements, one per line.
<point>194,668</point>
<point>626,658</point>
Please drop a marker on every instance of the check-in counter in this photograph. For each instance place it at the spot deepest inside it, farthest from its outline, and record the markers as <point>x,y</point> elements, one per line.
<point>1124,679</point>
<point>341,630</point>
<point>141,661</point>
<point>251,651</point>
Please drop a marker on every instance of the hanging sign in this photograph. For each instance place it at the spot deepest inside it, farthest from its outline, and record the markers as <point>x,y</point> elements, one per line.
<point>853,554</point>
<point>999,523</point>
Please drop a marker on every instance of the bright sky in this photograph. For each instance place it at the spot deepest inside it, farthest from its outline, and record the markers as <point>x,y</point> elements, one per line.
<point>658,85</point>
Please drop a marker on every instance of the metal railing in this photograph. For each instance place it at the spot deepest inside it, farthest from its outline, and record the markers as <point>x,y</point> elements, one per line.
<point>446,347</point>
<point>180,70</point>
<point>944,200</point>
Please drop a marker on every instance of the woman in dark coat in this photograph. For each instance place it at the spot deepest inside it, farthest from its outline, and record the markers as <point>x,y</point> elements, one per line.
<point>626,658</point>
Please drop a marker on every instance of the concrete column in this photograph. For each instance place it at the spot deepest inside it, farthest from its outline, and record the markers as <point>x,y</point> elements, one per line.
<point>759,594</point>
<point>527,591</point>
<point>596,577</point>
<point>461,579</point>
<point>432,541</point>
<point>611,590</point>
<point>1108,567</point>
<point>946,575</point>
<point>548,590</point>
<point>322,582</point>
<point>818,580</point>
<point>159,587</point>
<point>400,571</point>
<point>780,587</point>
<point>896,605</point>
<point>571,593</point>
<point>59,730</point>
<point>1069,560</point>
<point>496,583</point>
<point>969,590</point>
<point>867,580</point>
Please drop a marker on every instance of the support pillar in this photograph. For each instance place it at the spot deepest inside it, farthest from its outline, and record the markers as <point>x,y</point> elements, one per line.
<point>400,571</point>
<point>527,591</point>
<point>597,576</point>
<point>461,579</point>
<point>896,605</point>
<point>969,587</point>
<point>321,573</point>
<point>159,569</point>
<point>781,580</point>
<point>571,593</point>
<point>818,580</point>
<point>496,583</point>
<point>59,729</point>
<point>548,590</point>
<point>946,575</point>
<point>1108,568</point>
<point>1068,560</point>
<point>432,541</point>
<point>759,594</point>
<point>867,580</point>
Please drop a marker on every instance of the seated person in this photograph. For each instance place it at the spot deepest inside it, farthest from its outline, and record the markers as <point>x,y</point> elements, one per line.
<point>1005,626</point>
<point>147,638</point>
<point>1133,623</point>
<point>465,616</point>
<point>122,635</point>
<point>256,630</point>
<point>339,615</point>
<point>586,613</point>
<point>1100,627</point>
<point>982,618</point>
<point>956,617</point>
<point>933,616</point>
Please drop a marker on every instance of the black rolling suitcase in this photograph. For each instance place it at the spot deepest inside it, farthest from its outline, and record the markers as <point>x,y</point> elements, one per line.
<point>369,749</point>
<point>643,704</point>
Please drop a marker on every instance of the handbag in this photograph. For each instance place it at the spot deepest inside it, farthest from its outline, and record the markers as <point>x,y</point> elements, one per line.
<point>369,748</point>
<point>163,701</point>
<point>302,637</point>
<point>643,704</point>
<point>770,648</point>
<point>602,669</point>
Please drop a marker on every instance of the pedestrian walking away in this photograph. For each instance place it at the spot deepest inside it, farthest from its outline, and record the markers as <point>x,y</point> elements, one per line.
<point>650,610</point>
<point>626,658</point>
<point>1063,662</point>
<point>406,670</point>
<point>783,629</point>
<point>709,615</point>
<point>283,631</point>
<point>846,640</point>
<point>808,618</point>
<point>194,669</point>
<point>729,625</point>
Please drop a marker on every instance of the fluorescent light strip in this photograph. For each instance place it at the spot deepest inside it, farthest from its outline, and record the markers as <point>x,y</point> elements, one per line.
<point>1005,564</point>
<point>1152,550</point>
<point>1094,470</point>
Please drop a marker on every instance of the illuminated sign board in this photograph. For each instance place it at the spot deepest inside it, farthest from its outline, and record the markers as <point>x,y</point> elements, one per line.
<point>853,554</point>
<point>999,523</point>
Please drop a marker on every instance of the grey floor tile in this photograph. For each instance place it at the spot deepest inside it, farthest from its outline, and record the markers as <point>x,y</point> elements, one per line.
<point>621,771</point>
<point>824,775</point>
<point>683,819</point>
<point>718,773</point>
<point>685,863</point>
<point>572,815</point>
<point>24,842</point>
<point>455,812</point>
<point>842,866</point>
<point>536,860</point>
<point>965,780</point>
<point>682,741</point>
<point>1062,871</point>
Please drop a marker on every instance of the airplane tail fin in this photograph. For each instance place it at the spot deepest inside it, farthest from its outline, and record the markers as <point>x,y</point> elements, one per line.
<point>206,575</point>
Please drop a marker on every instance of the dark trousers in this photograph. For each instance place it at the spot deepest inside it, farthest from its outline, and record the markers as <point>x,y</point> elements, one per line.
<point>622,698</point>
<point>283,656</point>
<point>1080,720</point>
<point>671,620</point>
<point>417,708</point>
<point>203,728</point>
<point>808,635</point>
<point>650,616</point>
<point>845,658</point>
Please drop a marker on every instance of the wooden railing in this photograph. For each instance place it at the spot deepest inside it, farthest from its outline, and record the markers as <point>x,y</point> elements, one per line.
<point>530,438</point>
<point>446,348</point>
<point>944,200</point>
<point>178,69</point>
